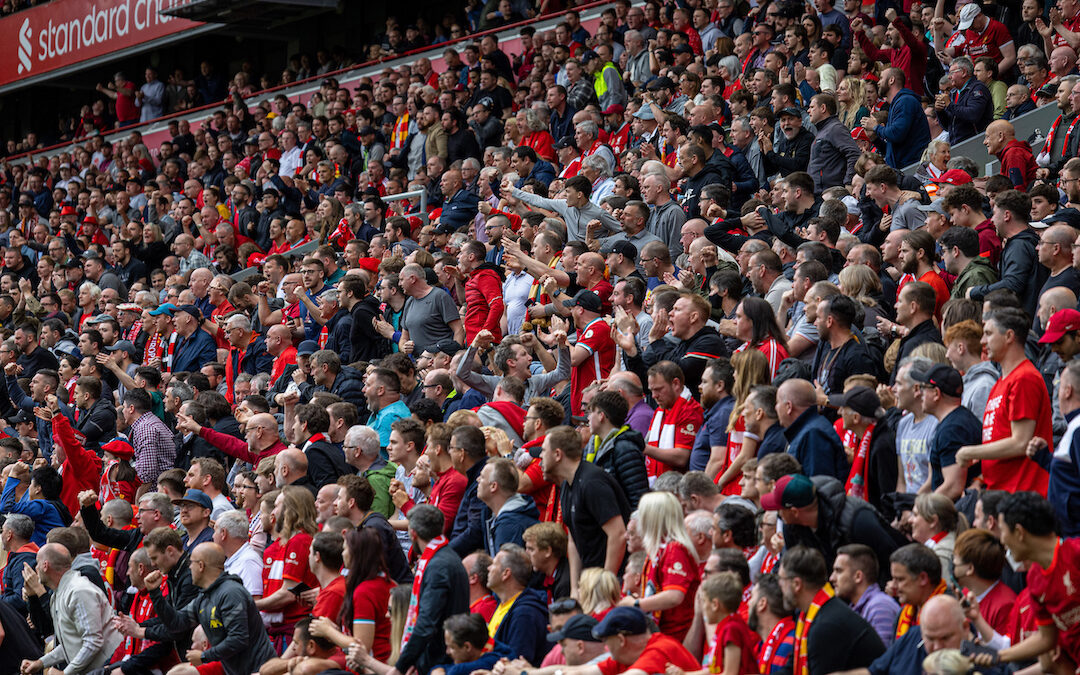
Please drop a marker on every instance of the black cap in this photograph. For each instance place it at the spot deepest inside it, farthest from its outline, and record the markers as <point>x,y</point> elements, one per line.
<point>1067,216</point>
<point>192,310</point>
<point>944,377</point>
<point>577,627</point>
<point>307,348</point>
<point>23,416</point>
<point>586,299</point>
<point>625,249</point>
<point>448,347</point>
<point>682,49</point>
<point>862,400</point>
<point>587,56</point>
<point>662,83</point>
<point>790,110</point>
<point>565,142</point>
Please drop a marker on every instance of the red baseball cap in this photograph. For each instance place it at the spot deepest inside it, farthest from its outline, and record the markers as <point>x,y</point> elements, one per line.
<point>955,177</point>
<point>1063,321</point>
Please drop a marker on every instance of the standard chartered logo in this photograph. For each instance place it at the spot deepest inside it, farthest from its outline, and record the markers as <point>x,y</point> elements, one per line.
<point>26,48</point>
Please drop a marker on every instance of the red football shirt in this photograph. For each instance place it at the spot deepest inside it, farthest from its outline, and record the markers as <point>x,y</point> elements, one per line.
<point>1054,594</point>
<point>295,568</point>
<point>675,569</point>
<point>987,43</point>
<point>660,651</point>
<point>330,599</point>
<point>941,290</point>
<point>1020,395</point>
<point>595,337</point>
<point>370,601</point>
<point>674,428</point>
<point>1022,623</point>
<point>733,630</point>
<point>997,606</point>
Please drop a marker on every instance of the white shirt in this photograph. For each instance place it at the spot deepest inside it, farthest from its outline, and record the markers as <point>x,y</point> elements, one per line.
<point>291,161</point>
<point>247,564</point>
<point>221,505</point>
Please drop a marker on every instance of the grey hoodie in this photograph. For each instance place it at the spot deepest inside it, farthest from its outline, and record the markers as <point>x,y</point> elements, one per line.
<point>978,381</point>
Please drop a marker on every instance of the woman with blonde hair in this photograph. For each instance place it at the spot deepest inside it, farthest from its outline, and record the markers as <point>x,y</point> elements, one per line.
<point>936,522</point>
<point>670,578</point>
<point>851,101</point>
<point>598,591</point>
<point>862,284</point>
<point>947,662</point>
<point>751,368</point>
<point>935,161</point>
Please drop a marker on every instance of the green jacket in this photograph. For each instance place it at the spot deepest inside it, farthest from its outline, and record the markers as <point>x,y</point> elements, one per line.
<point>380,482</point>
<point>977,273</point>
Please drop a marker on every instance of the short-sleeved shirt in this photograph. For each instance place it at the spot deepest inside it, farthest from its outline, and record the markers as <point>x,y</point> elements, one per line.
<point>987,43</point>
<point>295,568</point>
<point>954,431</point>
<point>713,433</point>
<point>330,599</point>
<point>675,570</point>
<point>1053,591</point>
<point>428,319</point>
<point>996,607</point>
<point>673,428</point>
<point>913,447</point>
<point>941,289</point>
<point>370,601</point>
<point>590,501</point>
<point>733,630</point>
<point>659,652</point>
<point>595,337</point>
<point>1020,395</point>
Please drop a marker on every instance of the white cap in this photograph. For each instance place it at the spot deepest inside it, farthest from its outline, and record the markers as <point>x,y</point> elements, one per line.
<point>967,15</point>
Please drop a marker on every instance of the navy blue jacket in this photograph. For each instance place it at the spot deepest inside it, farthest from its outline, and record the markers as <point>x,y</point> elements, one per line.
<point>518,514</point>
<point>524,628</point>
<point>194,352</point>
<point>468,533</point>
<point>541,171</point>
<point>1064,467</point>
<point>13,579</point>
<point>24,402</point>
<point>813,441</point>
<point>459,210</point>
<point>906,132</point>
<point>969,113</point>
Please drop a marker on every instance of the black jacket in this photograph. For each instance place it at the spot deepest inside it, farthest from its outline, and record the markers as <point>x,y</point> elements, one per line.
<point>367,344</point>
<point>396,563</point>
<point>125,540</point>
<point>349,385</point>
<point>852,358</point>
<point>227,614</point>
<point>97,424</point>
<point>444,592</point>
<point>326,462</point>
<point>1019,271</point>
<point>844,520</point>
<point>839,639</point>
<point>692,191</point>
<point>691,355</point>
<point>919,335</point>
<point>338,335</point>
<point>788,156</point>
<point>468,533</point>
<point>623,456</point>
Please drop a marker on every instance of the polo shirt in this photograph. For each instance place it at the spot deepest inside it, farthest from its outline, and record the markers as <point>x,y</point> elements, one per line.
<point>590,500</point>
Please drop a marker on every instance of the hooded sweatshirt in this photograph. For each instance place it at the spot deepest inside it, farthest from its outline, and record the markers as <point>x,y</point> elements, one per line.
<point>1018,163</point>
<point>978,381</point>
<point>622,454</point>
<point>518,514</point>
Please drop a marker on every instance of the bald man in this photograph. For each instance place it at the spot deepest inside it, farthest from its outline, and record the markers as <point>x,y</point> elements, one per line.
<point>1056,254</point>
<point>261,439</point>
<point>279,345</point>
<point>81,614</point>
<point>942,625</point>
<point>291,468</point>
<point>811,439</point>
<point>1017,160</point>
<point>225,611</point>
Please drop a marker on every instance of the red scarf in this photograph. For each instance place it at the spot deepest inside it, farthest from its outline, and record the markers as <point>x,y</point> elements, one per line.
<point>342,234</point>
<point>413,612</point>
<point>802,629</point>
<point>856,482</point>
<point>773,641</point>
<point>236,355</point>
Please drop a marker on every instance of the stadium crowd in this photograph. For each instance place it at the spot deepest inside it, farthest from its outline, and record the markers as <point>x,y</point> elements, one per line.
<point>706,356</point>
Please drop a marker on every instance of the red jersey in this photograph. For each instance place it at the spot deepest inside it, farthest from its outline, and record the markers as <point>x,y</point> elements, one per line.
<point>571,169</point>
<point>371,600</point>
<point>330,599</point>
<point>595,337</point>
<point>673,428</point>
<point>1022,623</point>
<point>674,570</point>
<point>294,567</point>
<point>1020,395</point>
<point>987,43</point>
<point>996,607</point>
<point>941,290</point>
<point>485,607</point>
<point>660,651</point>
<point>603,290</point>
<point>1072,24</point>
<point>733,630</point>
<point>773,350</point>
<point>734,447</point>
<point>1054,594</point>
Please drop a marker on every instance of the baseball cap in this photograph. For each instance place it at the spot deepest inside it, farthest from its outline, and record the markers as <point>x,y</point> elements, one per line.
<point>629,620</point>
<point>197,497</point>
<point>955,176</point>
<point>862,400</point>
<point>585,299</point>
<point>945,377</point>
<point>661,83</point>
<point>852,204</point>
<point>933,207</point>
<point>625,249</point>
<point>577,627</point>
<point>795,490</point>
<point>1067,216</point>
<point>307,348</point>
<point>192,310</point>
<point>20,417</point>
<point>645,113</point>
<point>792,111</point>
<point>967,15</point>
<point>448,347</point>
<point>167,308</point>
<point>682,49</point>
<point>614,109</point>
<point>1062,321</point>
<point>587,56</point>
<point>119,447</point>
<point>126,345</point>
<point>565,142</point>
<point>445,228</point>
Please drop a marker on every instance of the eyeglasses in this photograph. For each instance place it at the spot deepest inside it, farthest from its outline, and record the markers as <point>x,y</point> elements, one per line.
<point>563,606</point>
<point>432,386</point>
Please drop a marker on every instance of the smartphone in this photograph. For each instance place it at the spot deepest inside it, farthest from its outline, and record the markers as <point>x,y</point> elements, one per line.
<point>300,588</point>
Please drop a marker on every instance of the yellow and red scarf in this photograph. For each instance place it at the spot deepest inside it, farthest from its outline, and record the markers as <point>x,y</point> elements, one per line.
<point>802,629</point>
<point>909,613</point>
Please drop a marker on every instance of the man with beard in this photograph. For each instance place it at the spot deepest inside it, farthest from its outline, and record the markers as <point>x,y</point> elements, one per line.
<point>1070,179</point>
<point>1062,134</point>
<point>792,152</point>
<point>855,579</point>
<point>771,618</point>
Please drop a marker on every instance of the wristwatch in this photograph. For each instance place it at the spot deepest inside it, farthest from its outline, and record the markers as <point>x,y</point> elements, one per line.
<point>637,603</point>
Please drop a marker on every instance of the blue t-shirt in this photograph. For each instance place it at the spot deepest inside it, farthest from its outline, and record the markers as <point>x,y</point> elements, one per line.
<point>713,433</point>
